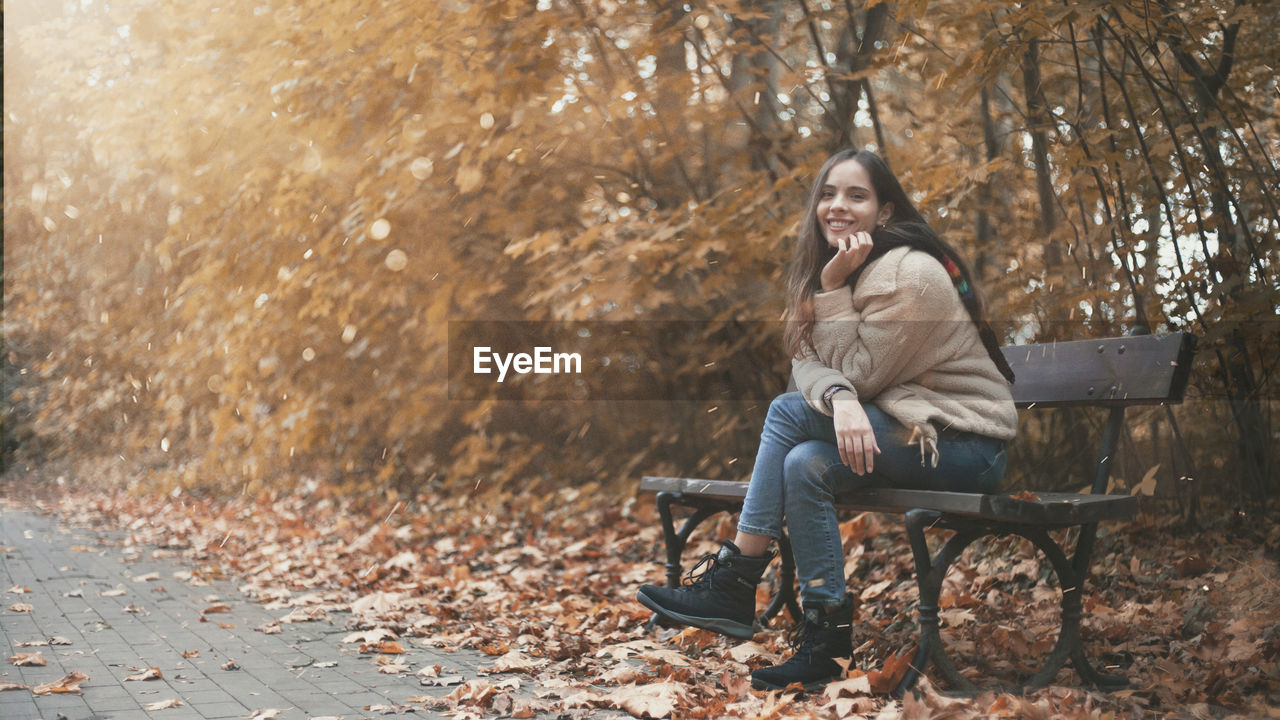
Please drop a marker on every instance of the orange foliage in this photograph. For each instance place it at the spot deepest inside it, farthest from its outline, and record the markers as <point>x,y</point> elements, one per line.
<point>236,237</point>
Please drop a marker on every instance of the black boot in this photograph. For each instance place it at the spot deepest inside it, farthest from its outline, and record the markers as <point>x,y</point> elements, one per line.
<point>823,636</point>
<point>719,593</point>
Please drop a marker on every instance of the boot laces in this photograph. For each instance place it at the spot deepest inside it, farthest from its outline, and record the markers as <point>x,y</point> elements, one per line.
<point>803,638</point>
<point>703,571</point>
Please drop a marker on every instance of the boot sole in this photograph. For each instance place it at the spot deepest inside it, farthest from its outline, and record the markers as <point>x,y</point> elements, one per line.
<point>716,625</point>
<point>811,686</point>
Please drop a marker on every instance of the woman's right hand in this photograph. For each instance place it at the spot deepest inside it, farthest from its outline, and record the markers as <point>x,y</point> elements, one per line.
<point>854,436</point>
<point>851,252</point>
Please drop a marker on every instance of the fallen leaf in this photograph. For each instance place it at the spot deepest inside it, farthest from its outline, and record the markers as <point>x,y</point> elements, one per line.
<point>149,577</point>
<point>4,687</point>
<point>34,659</point>
<point>655,700</point>
<point>190,653</point>
<point>378,602</point>
<point>887,678</point>
<point>749,651</point>
<point>135,609</point>
<point>1025,495</point>
<point>218,608</point>
<point>370,636</point>
<point>22,607</point>
<point>163,705</point>
<point>230,665</point>
<point>118,592</point>
<point>67,684</point>
<point>515,661</point>
<point>389,648</point>
<point>17,590</point>
<point>267,714</point>
<point>852,686</point>
<point>147,674</point>
<point>1193,565</point>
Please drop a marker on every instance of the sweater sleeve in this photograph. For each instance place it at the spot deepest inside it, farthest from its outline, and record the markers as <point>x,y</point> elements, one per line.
<point>882,337</point>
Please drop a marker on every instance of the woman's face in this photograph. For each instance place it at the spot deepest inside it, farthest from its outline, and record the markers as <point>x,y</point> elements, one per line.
<point>848,203</point>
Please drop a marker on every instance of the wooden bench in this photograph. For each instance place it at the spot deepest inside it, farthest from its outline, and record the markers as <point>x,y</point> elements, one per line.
<point>1111,373</point>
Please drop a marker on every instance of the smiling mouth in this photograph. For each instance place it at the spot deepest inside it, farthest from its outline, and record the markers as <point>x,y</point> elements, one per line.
<point>839,225</point>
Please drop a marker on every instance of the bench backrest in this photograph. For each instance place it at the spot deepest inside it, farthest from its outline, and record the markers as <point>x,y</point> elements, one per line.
<point>1131,370</point>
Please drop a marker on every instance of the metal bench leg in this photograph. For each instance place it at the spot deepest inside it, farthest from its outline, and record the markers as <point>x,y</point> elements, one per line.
<point>1080,563</point>
<point>930,572</point>
<point>675,541</point>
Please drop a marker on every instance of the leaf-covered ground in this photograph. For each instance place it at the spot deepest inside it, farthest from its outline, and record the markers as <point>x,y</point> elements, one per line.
<point>546,585</point>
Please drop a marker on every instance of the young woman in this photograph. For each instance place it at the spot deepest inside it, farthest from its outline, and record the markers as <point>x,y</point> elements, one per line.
<point>901,383</point>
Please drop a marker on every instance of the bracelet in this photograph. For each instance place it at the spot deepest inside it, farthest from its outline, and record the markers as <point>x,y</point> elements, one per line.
<point>830,392</point>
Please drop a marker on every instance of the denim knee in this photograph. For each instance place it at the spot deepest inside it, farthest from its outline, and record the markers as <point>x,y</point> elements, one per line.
<point>806,470</point>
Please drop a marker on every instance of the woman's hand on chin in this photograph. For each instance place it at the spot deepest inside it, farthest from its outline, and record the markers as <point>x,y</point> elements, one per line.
<point>851,252</point>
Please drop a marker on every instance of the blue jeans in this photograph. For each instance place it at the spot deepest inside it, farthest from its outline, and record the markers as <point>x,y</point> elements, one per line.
<point>798,471</point>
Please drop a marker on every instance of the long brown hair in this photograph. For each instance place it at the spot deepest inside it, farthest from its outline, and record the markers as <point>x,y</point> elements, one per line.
<point>905,227</point>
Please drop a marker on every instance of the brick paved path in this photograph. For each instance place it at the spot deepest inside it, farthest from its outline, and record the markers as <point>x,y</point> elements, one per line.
<point>305,671</point>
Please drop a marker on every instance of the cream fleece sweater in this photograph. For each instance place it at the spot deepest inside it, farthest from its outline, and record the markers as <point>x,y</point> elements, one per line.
<point>903,340</point>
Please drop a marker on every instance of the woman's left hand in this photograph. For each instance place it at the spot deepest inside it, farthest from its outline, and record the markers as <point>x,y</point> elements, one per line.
<point>854,436</point>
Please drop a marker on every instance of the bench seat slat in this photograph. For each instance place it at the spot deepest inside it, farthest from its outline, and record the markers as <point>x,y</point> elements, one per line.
<point>1047,509</point>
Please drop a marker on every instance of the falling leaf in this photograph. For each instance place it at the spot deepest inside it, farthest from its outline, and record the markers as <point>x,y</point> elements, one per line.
<point>34,659</point>
<point>147,674</point>
<point>162,705</point>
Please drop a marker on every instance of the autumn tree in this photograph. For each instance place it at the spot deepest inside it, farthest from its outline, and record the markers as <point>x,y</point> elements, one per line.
<point>237,236</point>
